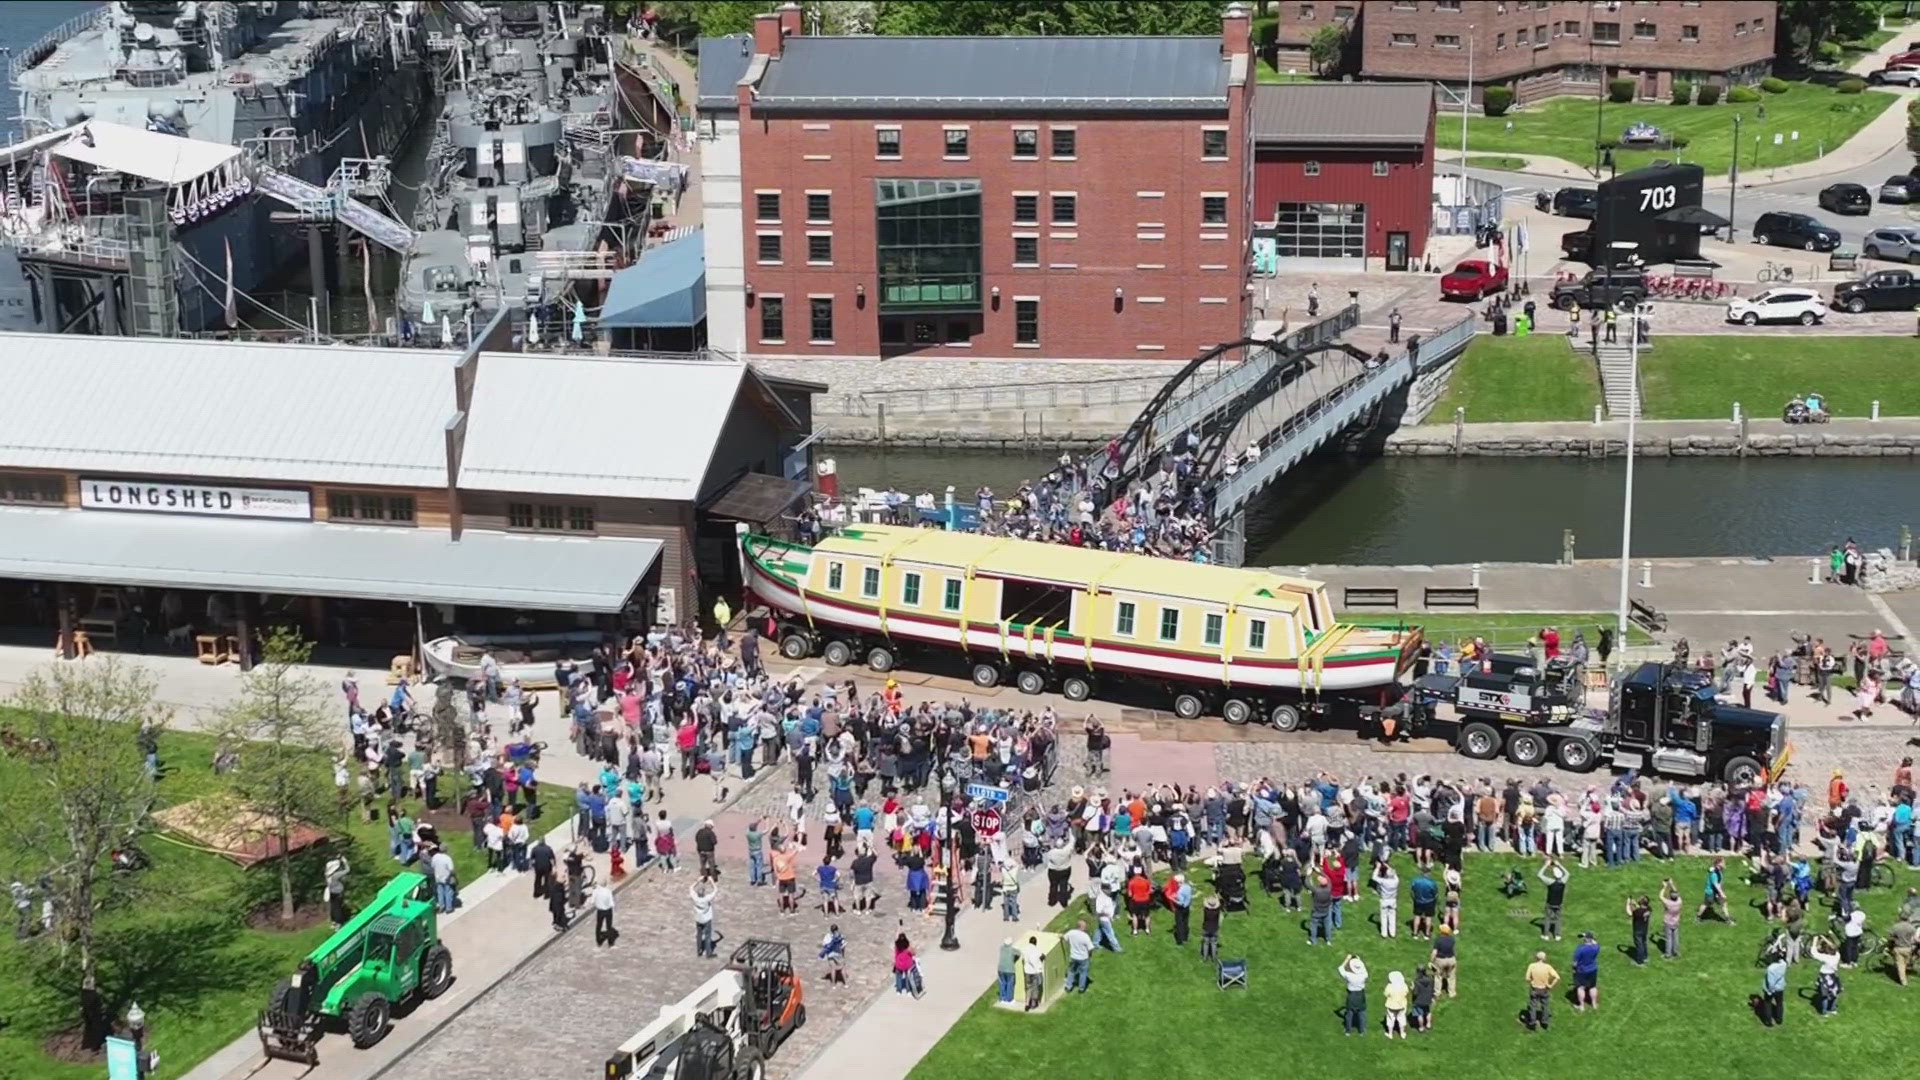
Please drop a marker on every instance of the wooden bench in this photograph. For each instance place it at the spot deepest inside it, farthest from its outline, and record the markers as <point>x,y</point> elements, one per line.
<point>1444,597</point>
<point>1642,614</point>
<point>1370,598</point>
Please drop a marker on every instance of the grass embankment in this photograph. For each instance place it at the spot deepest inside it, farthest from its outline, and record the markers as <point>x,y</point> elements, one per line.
<point>1521,378</point>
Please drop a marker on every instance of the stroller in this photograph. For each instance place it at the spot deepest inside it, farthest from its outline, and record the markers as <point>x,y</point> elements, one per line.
<point>1230,880</point>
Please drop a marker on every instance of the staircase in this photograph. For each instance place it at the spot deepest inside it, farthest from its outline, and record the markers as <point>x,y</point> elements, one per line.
<point>1617,383</point>
<point>318,204</point>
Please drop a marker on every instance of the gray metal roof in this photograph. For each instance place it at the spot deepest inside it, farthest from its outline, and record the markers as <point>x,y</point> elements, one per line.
<point>1077,74</point>
<point>182,407</point>
<point>1341,114</point>
<point>723,60</point>
<point>305,559</point>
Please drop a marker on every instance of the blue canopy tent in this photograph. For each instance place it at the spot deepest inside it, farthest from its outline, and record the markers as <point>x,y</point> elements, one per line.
<point>660,302</point>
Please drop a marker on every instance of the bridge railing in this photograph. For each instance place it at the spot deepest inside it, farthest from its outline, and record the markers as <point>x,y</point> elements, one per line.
<point>969,400</point>
<point>1189,409</point>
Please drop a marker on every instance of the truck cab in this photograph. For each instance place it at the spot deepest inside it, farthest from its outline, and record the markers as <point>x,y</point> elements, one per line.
<point>1666,720</point>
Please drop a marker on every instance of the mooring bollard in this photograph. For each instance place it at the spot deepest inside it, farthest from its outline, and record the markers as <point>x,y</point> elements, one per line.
<point>1876,410</point>
<point>1596,414</point>
<point>1646,574</point>
<point>1813,571</point>
<point>1476,575</point>
<point>1906,543</point>
<point>1736,412</point>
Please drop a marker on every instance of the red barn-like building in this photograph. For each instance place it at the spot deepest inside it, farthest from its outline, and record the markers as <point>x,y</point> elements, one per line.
<point>1344,170</point>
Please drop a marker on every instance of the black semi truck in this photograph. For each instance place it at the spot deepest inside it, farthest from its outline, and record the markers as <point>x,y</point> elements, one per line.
<point>1642,218</point>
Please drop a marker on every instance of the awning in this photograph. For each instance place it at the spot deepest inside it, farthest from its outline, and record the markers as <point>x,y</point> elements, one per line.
<point>1693,215</point>
<point>101,547</point>
<point>170,159</point>
<point>667,287</point>
<point>756,498</point>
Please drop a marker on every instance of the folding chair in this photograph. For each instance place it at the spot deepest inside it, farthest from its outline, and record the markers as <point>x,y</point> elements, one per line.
<point>1233,973</point>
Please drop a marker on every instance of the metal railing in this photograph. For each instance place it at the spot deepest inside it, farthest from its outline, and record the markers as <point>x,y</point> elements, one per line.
<point>51,40</point>
<point>922,401</point>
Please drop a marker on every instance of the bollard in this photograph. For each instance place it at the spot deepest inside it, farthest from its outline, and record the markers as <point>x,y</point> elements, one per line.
<point>1566,546</point>
<point>1813,571</point>
<point>1906,543</point>
<point>1876,410</point>
<point>1596,414</point>
<point>1476,575</point>
<point>1646,575</point>
<point>1736,412</point>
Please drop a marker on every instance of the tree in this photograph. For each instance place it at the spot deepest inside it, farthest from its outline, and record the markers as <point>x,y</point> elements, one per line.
<point>1802,25</point>
<point>283,735</point>
<point>84,731</point>
<point>1055,17</point>
<point>1329,44</point>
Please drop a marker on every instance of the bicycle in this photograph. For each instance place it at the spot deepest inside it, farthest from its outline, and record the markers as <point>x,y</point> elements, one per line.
<point>1773,271</point>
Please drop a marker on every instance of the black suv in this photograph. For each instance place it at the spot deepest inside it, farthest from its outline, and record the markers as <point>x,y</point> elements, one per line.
<point>1882,290</point>
<point>1846,199</point>
<point>1602,289</point>
<point>1781,229</point>
<point>1575,202</point>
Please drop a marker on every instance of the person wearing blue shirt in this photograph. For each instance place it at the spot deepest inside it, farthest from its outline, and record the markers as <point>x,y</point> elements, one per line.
<point>1773,993</point>
<point>1424,893</point>
<point>401,699</point>
<point>744,739</point>
<point>1686,813</point>
<point>1586,973</point>
<point>829,886</point>
<point>1900,833</point>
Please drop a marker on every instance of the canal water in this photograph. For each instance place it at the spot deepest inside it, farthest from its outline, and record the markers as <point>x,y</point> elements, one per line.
<point>1394,511</point>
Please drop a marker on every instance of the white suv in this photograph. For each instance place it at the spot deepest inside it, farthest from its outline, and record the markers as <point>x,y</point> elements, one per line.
<point>1786,304</point>
<point>1904,74</point>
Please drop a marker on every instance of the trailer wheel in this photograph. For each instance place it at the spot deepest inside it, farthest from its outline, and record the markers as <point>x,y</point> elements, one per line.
<point>1480,741</point>
<point>1076,688</point>
<point>837,654</point>
<point>1031,681</point>
<point>369,1019</point>
<point>1741,771</point>
<point>986,676</point>
<point>881,659</point>
<point>1284,718</point>
<point>796,646</point>
<point>1575,755</point>
<point>1237,711</point>
<point>1526,748</point>
<point>1188,706</point>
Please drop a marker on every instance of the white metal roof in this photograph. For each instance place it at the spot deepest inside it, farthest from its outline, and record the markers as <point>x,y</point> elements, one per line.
<point>177,407</point>
<point>602,426</point>
<point>423,565</point>
<point>170,159</point>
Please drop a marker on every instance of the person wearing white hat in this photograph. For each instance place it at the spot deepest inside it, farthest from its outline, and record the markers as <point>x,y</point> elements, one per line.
<point>1396,998</point>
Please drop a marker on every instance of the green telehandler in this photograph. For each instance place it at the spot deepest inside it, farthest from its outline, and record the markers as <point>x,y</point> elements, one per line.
<point>383,956</point>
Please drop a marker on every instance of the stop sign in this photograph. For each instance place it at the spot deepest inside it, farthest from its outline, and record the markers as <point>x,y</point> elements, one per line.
<point>986,821</point>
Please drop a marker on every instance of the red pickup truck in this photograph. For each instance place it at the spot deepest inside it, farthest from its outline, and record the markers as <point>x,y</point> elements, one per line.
<point>1472,280</point>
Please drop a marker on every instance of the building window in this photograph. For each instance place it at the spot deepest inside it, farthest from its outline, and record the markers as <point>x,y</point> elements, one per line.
<point>1519,37</point>
<point>1026,209</point>
<point>1606,33</point>
<point>1064,141</point>
<point>836,576</point>
<point>1452,41</point>
<point>1213,209</point>
<point>519,515</point>
<point>1214,630</point>
<point>957,142</point>
<point>42,488</point>
<point>950,600</point>
<point>1169,624</point>
<point>1758,23</point>
<point>1740,27</point>
<point>1379,168</point>
<point>1499,41</point>
<point>820,318</point>
<point>773,319</point>
<point>1310,168</point>
<point>1540,37</point>
<point>886,142</point>
<point>364,506</point>
<point>819,206</point>
<point>1026,251</point>
<point>1306,11</point>
<point>1570,28</point>
<point>1123,618</point>
<point>769,247</point>
<point>1581,73</point>
<point>1320,230</point>
<point>766,206</point>
<point>1026,322</point>
<point>579,519</point>
<point>1446,5</point>
<point>929,244</point>
<point>1257,634</point>
<point>1064,208</point>
<point>549,517</point>
<point>1402,39</point>
<point>1690,33</point>
<point>1645,31</point>
<point>1026,143</point>
<point>870,581</point>
<point>819,247</point>
<point>910,589</point>
<point>1213,142</point>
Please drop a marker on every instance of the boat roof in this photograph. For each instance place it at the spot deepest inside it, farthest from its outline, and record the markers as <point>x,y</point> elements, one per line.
<point>1032,560</point>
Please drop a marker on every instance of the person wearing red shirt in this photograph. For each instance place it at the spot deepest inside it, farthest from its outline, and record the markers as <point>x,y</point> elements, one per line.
<point>1550,642</point>
<point>1336,870</point>
<point>1140,904</point>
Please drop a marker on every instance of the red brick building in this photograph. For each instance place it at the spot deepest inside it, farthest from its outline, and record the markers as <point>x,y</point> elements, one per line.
<point>1343,170</point>
<point>1072,197</point>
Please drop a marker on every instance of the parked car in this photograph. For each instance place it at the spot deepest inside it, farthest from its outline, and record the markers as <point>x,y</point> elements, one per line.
<point>1900,189</point>
<point>1779,228</point>
<point>1846,199</point>
<point>1602,289</point>
<point>1788,303</point>
<point>1575,202</point>
<point>1472,280</point>
<point>1641,133</point>
<point>1882,290</point>
<point>1899,243</point>
<point>1901,74</point>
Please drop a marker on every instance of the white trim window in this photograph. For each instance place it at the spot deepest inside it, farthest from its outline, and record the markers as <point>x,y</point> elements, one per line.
<point>1124,615</point>
<point>870,582</point>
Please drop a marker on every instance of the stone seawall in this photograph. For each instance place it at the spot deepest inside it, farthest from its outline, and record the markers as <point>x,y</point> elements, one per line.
<point>1890,437</point>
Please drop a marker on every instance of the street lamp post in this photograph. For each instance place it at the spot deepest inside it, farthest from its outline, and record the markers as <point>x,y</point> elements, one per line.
<point>950,941</point>
<point>1640,312</point>
<point>1466,102</point>
<point>137,1027</point>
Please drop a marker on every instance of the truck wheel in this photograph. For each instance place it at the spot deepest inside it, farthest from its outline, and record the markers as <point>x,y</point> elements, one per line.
<point>881,659</point>
<point>436,971</point>
<point>1741,771</point>
<point>1574,755</point>
<point>1480,741</point>
<point>1284,718</point>
<point>277,1003</point>
<point>1188,706</point>
<point>837,654</point>
<point>796,646</point>
<point>748,1064</point>
<point>1076,688</point>
<point>1237,711</point>
<point>1526,748</point>
<point>1567,303</point>
<point>1031,681</point>
<point>369,1019</point>
<point>986,676</point>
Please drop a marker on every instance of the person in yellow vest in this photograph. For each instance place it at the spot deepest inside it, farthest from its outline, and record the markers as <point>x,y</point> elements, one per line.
<point>722,614</point>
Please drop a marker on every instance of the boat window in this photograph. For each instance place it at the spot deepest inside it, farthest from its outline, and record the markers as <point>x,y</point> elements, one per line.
<point>1215,629</point>
<point>836,576</point>
<point>1030,603</point>
<point>910,590</point>
<point>1169,624</point>
<point>1257,635</point>
<point>870,581</point>
<point>951,601</point>
<point>1123,619</point>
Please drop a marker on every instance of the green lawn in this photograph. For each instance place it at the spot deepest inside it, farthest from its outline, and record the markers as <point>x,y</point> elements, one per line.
<point>1270,74</point>
<point>1564,127</point>
<point>1154,1010</point>
<point>1521,378</point>
<point>1700,377</point>
<point>1505,631</point>
<point>1502,162</point>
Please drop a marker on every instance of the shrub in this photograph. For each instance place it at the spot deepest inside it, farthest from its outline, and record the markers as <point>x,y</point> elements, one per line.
<point>1608,143</point>
<point>1682,92</point>
<point>1829,51</point>
<point>1621,91</point>
<point>1773,85</point>
<point>1850,86</point>
<point>1743,95</point>
<point>1679,142</point>
<point>1708,94</point>
<point>1496,100</point>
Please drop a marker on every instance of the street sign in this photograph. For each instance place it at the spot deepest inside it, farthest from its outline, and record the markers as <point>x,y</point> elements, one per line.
<point>987,793</point>
<point>986,821</point>
<point>122,1059</point>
